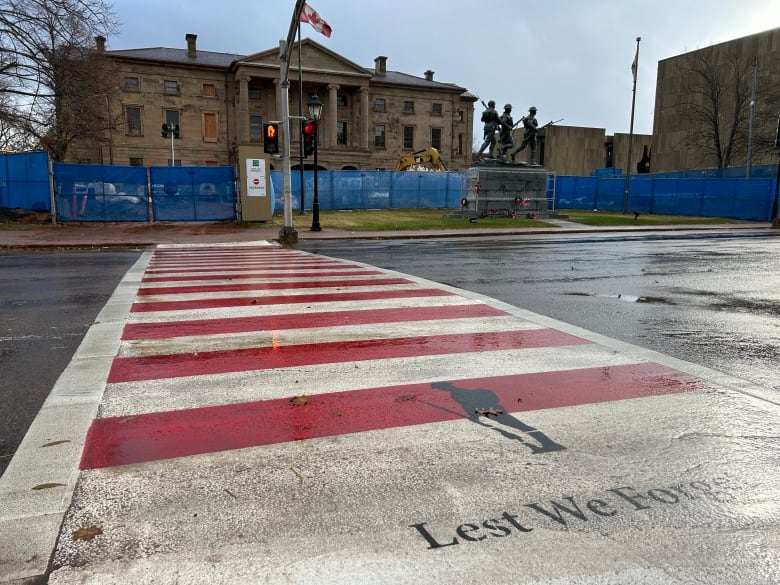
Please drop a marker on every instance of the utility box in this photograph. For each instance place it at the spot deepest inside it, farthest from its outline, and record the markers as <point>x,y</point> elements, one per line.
<point>505,190</point>
<point>256,194</point>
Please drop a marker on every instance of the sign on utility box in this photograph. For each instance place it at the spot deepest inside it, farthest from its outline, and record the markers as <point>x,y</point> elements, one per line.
<point>255,184</point>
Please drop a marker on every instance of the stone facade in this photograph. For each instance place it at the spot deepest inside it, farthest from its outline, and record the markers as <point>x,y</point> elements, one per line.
<point>219,101</point>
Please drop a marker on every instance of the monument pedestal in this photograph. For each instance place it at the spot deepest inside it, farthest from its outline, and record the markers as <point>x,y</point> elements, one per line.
<point>498,189</point>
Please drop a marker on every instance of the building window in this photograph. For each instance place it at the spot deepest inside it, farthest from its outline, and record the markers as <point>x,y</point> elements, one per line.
<point>209,90</point>
<point>177,163</point>
<point>172,120</point>
<point>436,109</point>
<point>460,144</point>
<point>210,127</point>
<point>171,86</point>
<point>379,136</point>
<point>133,117</point>
<point>341,133</point>
<point>409,137</point>
<point>255,93</point>
<point>436,138</point>
<point>379,105</point>
<point>409,107</point>
<point>341,100</point>
<point>136,161</point>
<point>256,128</point>
<point>132,84</point>
<point>460,115</point>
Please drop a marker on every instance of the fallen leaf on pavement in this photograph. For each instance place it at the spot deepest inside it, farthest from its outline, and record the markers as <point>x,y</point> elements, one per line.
<point>488,411</point>
<point>87,533</point>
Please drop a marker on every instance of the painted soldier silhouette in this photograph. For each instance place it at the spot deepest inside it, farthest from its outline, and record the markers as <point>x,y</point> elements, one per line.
<point>485,399</point>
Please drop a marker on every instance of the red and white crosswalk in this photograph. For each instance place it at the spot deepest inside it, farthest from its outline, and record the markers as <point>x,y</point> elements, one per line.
<point>242,346</point>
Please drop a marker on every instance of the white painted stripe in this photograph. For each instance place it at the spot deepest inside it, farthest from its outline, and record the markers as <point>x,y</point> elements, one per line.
<point>220,245</point>
<point>301,309</point>
<point>284,270</point>
<point>127,398</point>
<point>259,280</point>
<point>240,294</point>
<point>233,341</point>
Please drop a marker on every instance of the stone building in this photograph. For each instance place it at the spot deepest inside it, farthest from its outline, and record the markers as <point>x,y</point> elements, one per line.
<point>219,101</point>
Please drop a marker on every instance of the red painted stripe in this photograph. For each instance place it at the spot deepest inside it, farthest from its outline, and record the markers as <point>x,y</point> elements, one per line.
<point>161,330</point>
<point>287,299</point>
<point>251,266</point>
<point>242,275</point>
<point>164,435</point>
<point>131,369</point>
<point>237,286</point>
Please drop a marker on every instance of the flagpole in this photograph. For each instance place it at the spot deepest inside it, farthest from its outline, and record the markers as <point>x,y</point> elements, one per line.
<point>635,71</point>
<point>288,236</point>
<point>300,113</point>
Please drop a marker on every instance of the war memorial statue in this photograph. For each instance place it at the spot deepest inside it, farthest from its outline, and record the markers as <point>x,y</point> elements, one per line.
<point>491,122</point>
<point>498,186</point>
<point>531,126</point>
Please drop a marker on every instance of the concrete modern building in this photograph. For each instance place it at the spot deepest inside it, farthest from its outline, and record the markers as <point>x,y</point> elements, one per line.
<point>684,117</point>
<point>219,101</point>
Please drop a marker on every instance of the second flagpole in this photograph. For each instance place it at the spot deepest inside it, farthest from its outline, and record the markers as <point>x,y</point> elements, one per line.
<point>635,71</point>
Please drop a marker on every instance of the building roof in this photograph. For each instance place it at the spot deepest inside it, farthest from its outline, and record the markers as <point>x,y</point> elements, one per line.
<point>204,58</point>
<point>396,77</point>
<point>225,60</point>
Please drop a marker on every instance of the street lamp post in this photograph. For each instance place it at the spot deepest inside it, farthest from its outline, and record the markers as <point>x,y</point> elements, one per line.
<point>315,113</point>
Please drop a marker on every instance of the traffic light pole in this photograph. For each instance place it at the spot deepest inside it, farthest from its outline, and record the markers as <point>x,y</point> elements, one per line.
<point>288,236</point>
<point>315,206</point>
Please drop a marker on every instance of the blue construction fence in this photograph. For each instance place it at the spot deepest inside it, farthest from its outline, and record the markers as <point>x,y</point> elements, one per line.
<point>746,199</point>
<point>374,189</point>
<point>121,193</point>
<point>92,193</point>
<point>24,181</point>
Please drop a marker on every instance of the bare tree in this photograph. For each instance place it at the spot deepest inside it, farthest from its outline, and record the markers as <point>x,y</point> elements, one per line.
<point>50,71</point>
<point>718,106</point>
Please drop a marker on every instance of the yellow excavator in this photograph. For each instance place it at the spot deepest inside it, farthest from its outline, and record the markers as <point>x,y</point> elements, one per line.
<point>427,159</point>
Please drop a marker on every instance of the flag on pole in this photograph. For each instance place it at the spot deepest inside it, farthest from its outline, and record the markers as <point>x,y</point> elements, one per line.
<point>308,14</point>
<point>635,64</point>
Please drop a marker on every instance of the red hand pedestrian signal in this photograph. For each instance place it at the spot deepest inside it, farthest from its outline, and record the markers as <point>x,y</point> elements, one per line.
<point>309,137</point>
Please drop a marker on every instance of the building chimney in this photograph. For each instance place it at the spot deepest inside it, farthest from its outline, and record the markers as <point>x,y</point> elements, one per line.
<point>191,50</point>
<point>100,43</point>
<point>380,66</point>
<point>429,75</point>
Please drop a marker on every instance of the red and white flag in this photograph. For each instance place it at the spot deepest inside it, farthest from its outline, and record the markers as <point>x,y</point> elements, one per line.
<point>308,14</point>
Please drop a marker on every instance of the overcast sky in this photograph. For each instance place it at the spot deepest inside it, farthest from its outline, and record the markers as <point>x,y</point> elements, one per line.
<point>569,58</point>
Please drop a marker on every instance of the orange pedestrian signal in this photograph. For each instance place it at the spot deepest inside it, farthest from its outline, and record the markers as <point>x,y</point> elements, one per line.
<point>271,138</point>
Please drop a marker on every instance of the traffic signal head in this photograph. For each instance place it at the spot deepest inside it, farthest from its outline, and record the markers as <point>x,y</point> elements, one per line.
<point>309,136</point>
<point>271,138</point>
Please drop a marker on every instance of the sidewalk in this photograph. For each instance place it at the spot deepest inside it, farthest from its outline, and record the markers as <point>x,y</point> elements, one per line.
<point>143,235</point>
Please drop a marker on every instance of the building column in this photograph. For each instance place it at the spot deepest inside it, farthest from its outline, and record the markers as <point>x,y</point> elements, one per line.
<point>333,115</point>
<point>243,109</point>
<point>365,123</point>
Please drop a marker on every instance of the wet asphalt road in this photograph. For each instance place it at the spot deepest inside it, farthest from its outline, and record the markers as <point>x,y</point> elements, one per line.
<point>711,299</point>
<point>48,300</point>
<point>706,298</point>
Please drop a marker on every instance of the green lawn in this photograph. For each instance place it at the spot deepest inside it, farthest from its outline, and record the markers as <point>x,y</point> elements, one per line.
<point>605,219</point>
<point>433,219</point>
